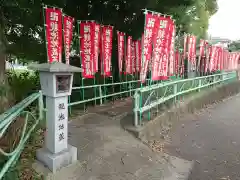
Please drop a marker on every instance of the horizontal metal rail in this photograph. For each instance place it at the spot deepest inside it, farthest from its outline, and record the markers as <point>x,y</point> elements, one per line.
<point>101,95</point>
<point>156,86</point>
<point>107,84</point>
<point>8,117</point>
<point>171,90</point>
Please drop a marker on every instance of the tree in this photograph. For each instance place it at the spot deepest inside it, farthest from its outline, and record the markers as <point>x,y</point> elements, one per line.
<point>21,21</point>
<point>234,46</point>
<point>196,17</point>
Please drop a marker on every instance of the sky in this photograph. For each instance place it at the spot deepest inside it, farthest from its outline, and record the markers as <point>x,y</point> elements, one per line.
<point>226,22</point>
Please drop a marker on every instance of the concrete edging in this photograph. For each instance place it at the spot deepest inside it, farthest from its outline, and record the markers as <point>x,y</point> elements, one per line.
<point>161,125</point>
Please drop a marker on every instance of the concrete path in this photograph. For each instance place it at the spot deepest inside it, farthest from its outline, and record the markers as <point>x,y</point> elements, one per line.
<point>211,138</point>
<point>107,152</point>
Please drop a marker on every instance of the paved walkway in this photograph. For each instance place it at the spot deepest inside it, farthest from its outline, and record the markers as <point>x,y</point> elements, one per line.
<point>107,152</point>
<point>211,138</point>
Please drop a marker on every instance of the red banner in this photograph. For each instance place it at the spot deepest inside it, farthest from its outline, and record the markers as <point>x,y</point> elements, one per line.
<point>236,61</point>
<point>133,53</point>
<point>202,45</point>
<point>185,46</point>
<point>54,34</point>
<point>107,33</point>
<point>166,44</point>
<point>150,21</point>
<point>86,47</point>
<point>182,59</point>
<point>138,55</point>
<point>128,63</point>
<point>160,52</point>
<point>67,36</point>
<point>231,57</point>
<point>222,59</point>
<point>176,66</point>
<point>226,60</point>
<point>171,57</point>
<point>192,51</point>
<point>201,55</point>
<point>189,45</point>
<point>219,58</point>
<point>208,55</point>
<point>229,61</point>
<point>120,37</point>
<point>96,45</point>
<point>215,59</point>
<point>212,58</point>
<point>217,62</point>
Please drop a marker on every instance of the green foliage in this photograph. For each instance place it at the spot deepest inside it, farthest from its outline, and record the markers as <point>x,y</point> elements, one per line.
<point>21,167</point>
<point>23,83</point>
<point>234,46</point>
<point>195,18</point>
<point>22,20</point>
<point>6,99</point>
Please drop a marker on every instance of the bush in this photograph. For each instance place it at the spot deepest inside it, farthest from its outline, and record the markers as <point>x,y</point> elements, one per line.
<point>23,83</point>
<point>16,86</point>
<point>6,98</point>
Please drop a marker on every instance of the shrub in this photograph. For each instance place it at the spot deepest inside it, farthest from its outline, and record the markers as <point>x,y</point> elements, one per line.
<point>23,83</point>
<point>16,86</point>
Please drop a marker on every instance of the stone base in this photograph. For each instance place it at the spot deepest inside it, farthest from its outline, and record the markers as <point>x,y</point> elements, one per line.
<point>57,161</point>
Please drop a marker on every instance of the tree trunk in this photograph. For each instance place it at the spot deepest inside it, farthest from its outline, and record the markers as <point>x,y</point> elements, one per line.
<point>2,66</point>
<point>5,97</point>
<point>3,45</point>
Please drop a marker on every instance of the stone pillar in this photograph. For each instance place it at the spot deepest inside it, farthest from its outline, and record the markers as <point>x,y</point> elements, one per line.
<point>56,83</point>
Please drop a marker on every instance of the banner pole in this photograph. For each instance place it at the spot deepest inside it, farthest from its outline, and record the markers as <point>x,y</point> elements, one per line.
<point>112,87</point>
<point>104,85</point>
<point>94,69</point>
<point>69,97</point>
<point>45,33</point>
<point>104,75</point>
<point>132,78</point>
<point>119,62</point>
<point>125,54</point>
<point>142,63</point>
<point>120,86</point>
<point>83,95</point>
<point>111,67</point>
<point>126,84</point>
<point>95,91</point>
<point>132,73</point>
<point>82,78</point>
<point>150,82</point>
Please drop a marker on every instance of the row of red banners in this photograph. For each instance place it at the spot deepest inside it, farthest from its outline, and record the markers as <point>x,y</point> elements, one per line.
<point>90,42</point>
<point>210,58</point>
<point>158,47</point>
<point>153,52</point>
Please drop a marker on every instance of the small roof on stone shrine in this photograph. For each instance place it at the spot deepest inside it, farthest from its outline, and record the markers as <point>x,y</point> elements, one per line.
<point>54,67</point>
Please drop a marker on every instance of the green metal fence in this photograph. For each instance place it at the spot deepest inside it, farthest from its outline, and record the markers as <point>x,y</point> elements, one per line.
<point>24,111</point>
<point>101,93</point>
<point>148,100</point>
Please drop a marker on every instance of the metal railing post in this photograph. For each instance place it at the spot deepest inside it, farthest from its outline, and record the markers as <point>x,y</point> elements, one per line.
<point>40,105</point>
<point>136,108</point>
<point>214,79</point>
<point>199,85</point>
<point>100,94</point>
<point>222,79</point>
<point>175,87</point>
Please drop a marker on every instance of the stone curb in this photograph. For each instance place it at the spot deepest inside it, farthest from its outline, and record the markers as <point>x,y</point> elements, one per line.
<point>161,125</point>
